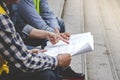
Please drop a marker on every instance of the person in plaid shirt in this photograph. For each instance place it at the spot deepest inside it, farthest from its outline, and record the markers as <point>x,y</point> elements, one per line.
<point>13,49</point>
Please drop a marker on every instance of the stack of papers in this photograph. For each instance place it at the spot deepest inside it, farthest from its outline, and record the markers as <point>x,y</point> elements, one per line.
<point>79,44</point>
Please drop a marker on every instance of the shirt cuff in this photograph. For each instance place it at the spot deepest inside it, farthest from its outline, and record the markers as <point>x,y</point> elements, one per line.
<point>55,64</point>
<point>26,30</point>
<point>47,28</point>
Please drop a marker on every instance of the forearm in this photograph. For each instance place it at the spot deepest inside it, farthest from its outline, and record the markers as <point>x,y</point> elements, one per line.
<point>36,33</point>
<point>57,30</point>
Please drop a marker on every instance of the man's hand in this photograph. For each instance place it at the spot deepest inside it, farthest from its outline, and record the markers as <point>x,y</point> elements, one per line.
<point>65,36</point>
<point>54,38</point>
<point>64,60</point>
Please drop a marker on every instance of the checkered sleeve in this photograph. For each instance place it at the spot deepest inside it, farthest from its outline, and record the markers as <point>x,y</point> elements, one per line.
<point>14,50</point>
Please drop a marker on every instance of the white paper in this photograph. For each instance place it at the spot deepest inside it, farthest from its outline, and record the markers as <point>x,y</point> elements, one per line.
<point>79,43</point>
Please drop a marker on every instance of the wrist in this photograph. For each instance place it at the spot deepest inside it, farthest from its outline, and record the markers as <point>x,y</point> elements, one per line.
<point>59,61</point>
<point>57,30</point>
<point>47,34</point>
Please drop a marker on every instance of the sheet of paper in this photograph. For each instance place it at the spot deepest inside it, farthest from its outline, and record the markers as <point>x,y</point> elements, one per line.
<point>79,44</point>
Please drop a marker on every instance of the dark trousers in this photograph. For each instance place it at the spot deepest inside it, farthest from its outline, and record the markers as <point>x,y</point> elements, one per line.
<point>44,75</point>
<point>16,74</point>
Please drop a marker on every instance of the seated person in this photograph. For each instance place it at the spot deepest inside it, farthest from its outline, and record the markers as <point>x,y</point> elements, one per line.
<point>43,19</point>
<point>25,64</point>
<point>33,32</point>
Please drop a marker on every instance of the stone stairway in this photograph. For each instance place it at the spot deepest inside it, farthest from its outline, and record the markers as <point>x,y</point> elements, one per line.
<point>102,19</point>
<point>103,63</point>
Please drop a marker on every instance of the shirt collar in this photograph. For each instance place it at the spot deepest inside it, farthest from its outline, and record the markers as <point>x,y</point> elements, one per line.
<point>5,7</point>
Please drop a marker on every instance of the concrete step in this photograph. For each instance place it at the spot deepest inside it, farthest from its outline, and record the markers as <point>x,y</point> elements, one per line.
<point>98,20</point>
<point>56,6</point>
<point>111,21</point>
<point>73,16</point>
<point>74,20</point>
<point>101,17</point>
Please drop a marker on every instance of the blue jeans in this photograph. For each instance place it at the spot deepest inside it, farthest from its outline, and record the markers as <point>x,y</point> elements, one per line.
<point>62,25</point>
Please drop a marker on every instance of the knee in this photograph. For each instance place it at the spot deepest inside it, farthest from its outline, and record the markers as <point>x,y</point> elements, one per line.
<point>48,75</point>
<point>61,24</point>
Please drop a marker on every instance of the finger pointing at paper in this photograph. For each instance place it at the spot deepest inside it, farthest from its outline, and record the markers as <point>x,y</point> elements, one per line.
<point>54,38</point>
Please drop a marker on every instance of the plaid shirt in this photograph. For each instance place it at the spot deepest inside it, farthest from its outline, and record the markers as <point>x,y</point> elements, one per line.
<point>15,51</point>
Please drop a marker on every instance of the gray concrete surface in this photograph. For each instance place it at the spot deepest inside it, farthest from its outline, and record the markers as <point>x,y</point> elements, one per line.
<point>73,18</point>
<point>101,17</point>
<point>56,6</point>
